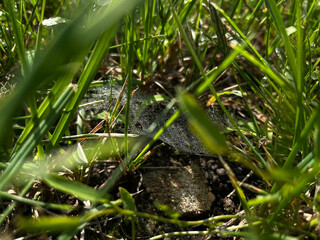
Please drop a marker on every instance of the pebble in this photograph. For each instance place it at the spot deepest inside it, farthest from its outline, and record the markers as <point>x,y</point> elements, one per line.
<point>221,171</point>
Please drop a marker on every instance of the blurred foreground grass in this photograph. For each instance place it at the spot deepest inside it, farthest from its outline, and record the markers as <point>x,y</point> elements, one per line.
<point>266,50</point>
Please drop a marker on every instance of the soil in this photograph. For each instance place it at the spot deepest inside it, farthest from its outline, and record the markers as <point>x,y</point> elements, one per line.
<point>197,187</point>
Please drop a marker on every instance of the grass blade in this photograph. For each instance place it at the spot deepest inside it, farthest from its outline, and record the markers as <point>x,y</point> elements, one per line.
<point>75,188</point>
<point>52,224</point>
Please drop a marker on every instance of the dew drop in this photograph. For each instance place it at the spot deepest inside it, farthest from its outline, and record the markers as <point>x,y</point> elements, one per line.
<point>264,82</point>
<point>315,75</point>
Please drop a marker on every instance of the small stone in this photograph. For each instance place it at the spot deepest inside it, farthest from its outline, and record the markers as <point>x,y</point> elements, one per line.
<point>215,166</point>
<point>221,171</point>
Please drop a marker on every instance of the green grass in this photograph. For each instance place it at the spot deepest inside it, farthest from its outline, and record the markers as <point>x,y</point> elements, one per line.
<point>268,49</point>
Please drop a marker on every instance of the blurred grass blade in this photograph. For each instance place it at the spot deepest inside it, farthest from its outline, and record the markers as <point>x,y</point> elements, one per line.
<point>75,188</point>
<point>12,206</point>
<point>54,224</point>
<point>34,138</point>
<point>208,133</point>
<point>262,199</point>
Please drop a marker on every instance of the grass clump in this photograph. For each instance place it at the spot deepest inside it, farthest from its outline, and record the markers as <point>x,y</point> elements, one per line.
<point>256,61</point>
